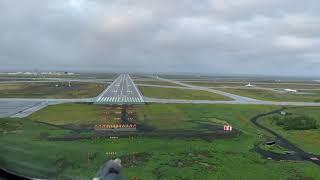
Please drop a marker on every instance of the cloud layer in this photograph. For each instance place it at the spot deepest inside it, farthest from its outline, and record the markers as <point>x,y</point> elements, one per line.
<point>210,36</point>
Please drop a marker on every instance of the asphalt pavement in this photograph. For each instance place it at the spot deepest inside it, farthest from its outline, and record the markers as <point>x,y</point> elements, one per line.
<point>10,108</point>
<point>121,91</point>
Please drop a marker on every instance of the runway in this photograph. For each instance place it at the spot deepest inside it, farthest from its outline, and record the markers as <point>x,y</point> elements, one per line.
<point>121,91</point>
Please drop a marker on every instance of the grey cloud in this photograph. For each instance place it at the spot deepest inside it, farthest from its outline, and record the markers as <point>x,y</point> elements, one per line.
<point>213,36</point>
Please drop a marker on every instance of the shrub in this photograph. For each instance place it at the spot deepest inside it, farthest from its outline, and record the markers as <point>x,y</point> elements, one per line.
<point>297,123</point>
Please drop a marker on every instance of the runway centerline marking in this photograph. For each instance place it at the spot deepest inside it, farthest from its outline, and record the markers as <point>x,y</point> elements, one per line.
<point>121,91</point>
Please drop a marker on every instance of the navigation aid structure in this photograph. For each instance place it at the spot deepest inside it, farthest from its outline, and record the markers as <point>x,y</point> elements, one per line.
<point>121,91</point>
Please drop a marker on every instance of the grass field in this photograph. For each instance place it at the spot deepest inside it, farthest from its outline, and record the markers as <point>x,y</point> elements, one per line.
<point>76,114</point>
<point>273,96</point>
<point>171,93</point>
<point>184,116</point>
<point>50,90</point>
<point>291,86</point>
<point>305,139</point>
<point>308,85</point>
<point>80,76</point>
<point>23,150</point>
<point>216,84</point>
<point>156,82</point>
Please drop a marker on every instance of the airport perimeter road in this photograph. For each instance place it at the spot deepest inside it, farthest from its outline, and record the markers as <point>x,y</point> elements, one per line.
<point>284,142</point>
<point>121,91</point>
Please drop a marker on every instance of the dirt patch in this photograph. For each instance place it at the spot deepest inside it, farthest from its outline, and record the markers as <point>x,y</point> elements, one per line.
<point>192,158</point>
<point>134,160</point>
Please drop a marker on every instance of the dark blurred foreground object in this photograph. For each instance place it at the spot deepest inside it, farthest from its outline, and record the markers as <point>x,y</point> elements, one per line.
<point>111,170</point>
<point>4,175</point>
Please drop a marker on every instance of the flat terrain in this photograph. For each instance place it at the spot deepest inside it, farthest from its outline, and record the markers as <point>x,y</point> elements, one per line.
<point>75,114</point>
<point>187,117</point>
<point>273,85</point>
<point>291,85</point>
<point>156,82</point>
<point>215,84</point>
<point>170,93</point>
<point>80,76</point>
<point>305,139</point>
<point>24,148</point>
<point>50,90</point>
<point>273,96</point>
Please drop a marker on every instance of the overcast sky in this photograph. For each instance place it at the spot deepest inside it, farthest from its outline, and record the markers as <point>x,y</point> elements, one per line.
<point>203,36</point>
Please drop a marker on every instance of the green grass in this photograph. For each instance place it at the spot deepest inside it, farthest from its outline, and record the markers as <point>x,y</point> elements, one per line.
<point>172,93</point>
<point>216,84</point>
<point>284,85</point>
<point>274,148</point>
<point>23,150</point>
<point>292,86</point>
<point>186,116</point>
<point>50,90</point>
<point>156,82</point>
<point>305,139</point>
<point>273,96</point>
<point>81,76</point>
<point>76,114</point>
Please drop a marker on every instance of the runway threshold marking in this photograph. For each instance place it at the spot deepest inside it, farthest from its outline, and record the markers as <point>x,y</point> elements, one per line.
<point>117,93</point>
